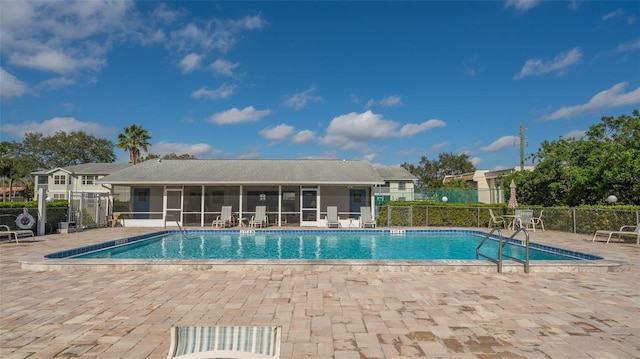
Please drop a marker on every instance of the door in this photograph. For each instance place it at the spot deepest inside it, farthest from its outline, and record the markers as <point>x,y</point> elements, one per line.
<point>173,209</point>
<point>140,203</point>
<point>357,199</point>
<point>309,207</point>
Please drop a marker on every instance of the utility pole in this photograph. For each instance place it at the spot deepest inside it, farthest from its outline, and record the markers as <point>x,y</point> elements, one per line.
<point>521,147</point>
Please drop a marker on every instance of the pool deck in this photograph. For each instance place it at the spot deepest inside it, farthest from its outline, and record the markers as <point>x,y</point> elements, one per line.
<point>344,314</point>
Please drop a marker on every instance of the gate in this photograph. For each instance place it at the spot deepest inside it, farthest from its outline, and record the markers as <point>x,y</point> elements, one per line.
<point>88,209</point>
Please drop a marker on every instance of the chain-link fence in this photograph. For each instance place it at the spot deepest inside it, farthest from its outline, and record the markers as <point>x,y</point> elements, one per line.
<point>574,220</point>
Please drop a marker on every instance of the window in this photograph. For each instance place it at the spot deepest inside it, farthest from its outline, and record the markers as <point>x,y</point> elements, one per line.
<point>88,180</point>
<point>59,179</point>
<point>401,186</point>
<point>59,196</point>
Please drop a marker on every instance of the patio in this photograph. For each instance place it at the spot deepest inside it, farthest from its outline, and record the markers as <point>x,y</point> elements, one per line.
<point>324,314</point>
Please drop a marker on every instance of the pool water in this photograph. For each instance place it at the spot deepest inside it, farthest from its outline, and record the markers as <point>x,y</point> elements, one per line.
<point>317,245</point>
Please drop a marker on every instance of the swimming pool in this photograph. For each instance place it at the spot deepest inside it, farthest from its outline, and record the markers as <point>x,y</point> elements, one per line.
<point>312,245</point>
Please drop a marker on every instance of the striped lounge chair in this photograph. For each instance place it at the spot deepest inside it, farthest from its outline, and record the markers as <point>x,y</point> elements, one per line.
<point>225,342</point>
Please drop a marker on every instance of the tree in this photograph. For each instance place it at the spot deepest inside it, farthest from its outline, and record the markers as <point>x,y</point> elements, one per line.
<point>134,139</point>
<point>572,172</point>
<point>430,173</point>
<point>62,150</point>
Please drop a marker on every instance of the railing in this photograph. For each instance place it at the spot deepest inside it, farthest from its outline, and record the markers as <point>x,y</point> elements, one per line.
<point>501,245</point>
<point>182,231</point>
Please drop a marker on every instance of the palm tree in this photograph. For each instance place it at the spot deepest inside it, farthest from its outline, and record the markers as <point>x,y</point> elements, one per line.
<point>134,139</point>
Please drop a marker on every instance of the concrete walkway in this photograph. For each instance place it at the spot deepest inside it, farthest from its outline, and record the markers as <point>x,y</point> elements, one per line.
<point>324,314</point>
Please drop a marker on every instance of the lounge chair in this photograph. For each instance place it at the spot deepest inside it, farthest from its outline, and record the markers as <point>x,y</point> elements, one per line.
<point>366,220</point>
<point>332,217</point>
<point>259,219</point>
<point>225,342</point>
<point>538,221</point>
<point>625,231</point>
<point>18,233</point>
<point>496,220</point>
<point>225,219</point>
<point>523,218</point>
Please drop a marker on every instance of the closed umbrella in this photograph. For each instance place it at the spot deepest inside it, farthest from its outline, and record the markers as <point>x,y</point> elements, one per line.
<point>513,202</point>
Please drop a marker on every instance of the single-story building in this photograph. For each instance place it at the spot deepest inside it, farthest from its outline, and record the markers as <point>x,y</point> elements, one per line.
<point>192,192</point>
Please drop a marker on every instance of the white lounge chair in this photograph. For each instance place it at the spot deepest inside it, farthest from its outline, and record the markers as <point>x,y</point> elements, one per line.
<point>18,233</point>
<point>523,218</point>
<point>538,221</point>
<point>625,231</point>
<point>332,217</point>
<point>259,219</point>
<point>496,220</point>
<point>225,219</point>
<point>225,342</point>
<point>366,220</point>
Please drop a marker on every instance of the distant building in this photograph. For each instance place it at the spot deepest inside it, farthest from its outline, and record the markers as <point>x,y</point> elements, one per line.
<point>488,184</point>
<point>399,185</point>
<point>58,182</point>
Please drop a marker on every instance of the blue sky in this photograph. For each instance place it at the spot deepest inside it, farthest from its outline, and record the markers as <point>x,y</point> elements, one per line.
<point>388,82</point>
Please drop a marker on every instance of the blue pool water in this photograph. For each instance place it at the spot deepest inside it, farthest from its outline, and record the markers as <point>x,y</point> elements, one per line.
<point>313,245</point>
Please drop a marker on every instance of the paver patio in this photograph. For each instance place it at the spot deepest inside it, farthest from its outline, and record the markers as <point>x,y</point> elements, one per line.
<point>324,313</point>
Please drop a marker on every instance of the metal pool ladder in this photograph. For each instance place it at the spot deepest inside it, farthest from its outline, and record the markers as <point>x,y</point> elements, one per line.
<point>501,245</point>
<point>182,231</point>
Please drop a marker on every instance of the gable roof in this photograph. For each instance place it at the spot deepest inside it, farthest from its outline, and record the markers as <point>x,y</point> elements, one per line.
<point>88,169</point>
<point>238,172</point>
<point>395,174</point>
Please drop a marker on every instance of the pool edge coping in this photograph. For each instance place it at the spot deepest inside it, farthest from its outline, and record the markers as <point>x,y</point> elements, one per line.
<point>39,261</point>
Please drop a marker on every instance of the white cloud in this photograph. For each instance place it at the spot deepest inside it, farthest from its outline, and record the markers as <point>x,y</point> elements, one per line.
<point>302,99</point>
<point>277,133</point>
<point>215,34</point>
<point>223,91</point>
<point>304,137</point>
<point>629,46</point>
<point>165,15</point>
<point>501,143</point>
<point>439,146</point>
<point>393,100</point>
<point>199,150</point>
<point>234,116</point>
<point>56,83</point>
<point>224,68</point>
<point>611,97</point>
<point>619,13</point>
<point>50,127</point>
<point>575,134</point>
<point>11,86</point>
<point>412,128</point>
<point>62,37</point>
<point>353,130</point>
<point>190,62</point>
<point>522,5</point>
<point>538,67</point>
<point>475,161</point>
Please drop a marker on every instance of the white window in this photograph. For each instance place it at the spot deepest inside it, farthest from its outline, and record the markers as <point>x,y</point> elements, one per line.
<point>59,196</point>
<point>89,180</point>
<point>401,186</point>
<point>59,179</point>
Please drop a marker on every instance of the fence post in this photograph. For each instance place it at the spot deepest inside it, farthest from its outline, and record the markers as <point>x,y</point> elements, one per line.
<point>411,216</point>
<point>388,216</point>
<point>426,217</point>
<point>575,225</point>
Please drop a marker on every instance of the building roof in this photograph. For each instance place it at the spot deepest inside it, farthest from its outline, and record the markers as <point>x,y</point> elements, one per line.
<point>395,174</point>
<point>89,169</point>
<point>313,171</point>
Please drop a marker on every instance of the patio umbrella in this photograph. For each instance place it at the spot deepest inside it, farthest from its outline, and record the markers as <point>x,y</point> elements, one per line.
<point>513,202</point>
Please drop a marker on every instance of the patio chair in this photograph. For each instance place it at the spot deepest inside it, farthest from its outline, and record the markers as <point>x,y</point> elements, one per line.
<point>19,233</point>
<point>625,231</point>
<point>524,218</point>
<point>366,219</point>
<point>332,217</point>
<point>225,342</point>
<point>538,221</point>
<point>259,219</point>
<point>496,220</point>
<point>225,219</point>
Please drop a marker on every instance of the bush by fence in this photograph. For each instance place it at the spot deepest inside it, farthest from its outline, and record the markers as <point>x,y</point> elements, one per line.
<point>575,220</point>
